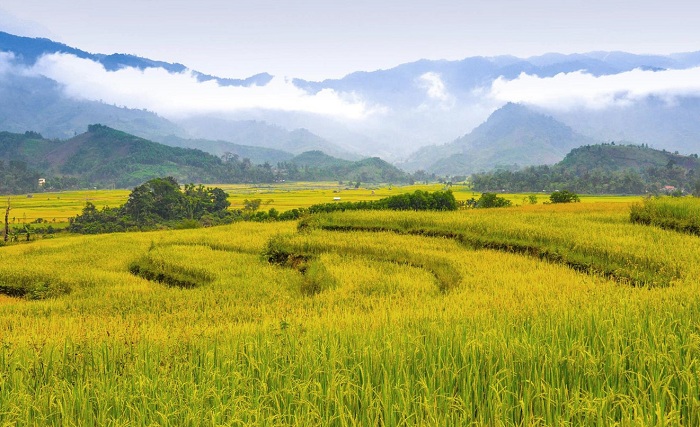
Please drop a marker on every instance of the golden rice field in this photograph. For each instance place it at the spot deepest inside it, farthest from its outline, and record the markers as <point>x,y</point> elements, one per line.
<point>532,315</point>
<point>56,208</point>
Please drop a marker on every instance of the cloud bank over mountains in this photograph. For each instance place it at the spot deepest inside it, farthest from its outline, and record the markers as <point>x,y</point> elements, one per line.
<point>391,112</point>
<point>181,94</point>
<point>579,89</point>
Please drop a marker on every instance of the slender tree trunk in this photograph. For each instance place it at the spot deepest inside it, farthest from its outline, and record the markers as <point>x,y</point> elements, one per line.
<point>7,220</point>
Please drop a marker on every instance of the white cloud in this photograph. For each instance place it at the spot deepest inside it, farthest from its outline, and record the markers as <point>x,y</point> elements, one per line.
<point>7,60</point>
<point>436,90</point>
<point>580,89</point>
<point>434,86</point>
<point>180,94</point>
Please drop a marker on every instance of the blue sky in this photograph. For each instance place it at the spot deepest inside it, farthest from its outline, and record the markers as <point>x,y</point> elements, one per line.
<point>324,39</point>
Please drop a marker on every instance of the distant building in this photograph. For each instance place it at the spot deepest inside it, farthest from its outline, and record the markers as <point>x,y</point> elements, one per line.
<point>42,181</point>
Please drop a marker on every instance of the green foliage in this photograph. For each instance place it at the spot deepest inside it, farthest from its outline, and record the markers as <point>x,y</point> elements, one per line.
<point>156,203</point>
<point>600,169</point>
<point>679,214</point>
<point>169,275</point>
<point>17,177</point>
<point>252,205</point>
<point>417,201</point>
<point>492,200</point>
<point>564,196</point>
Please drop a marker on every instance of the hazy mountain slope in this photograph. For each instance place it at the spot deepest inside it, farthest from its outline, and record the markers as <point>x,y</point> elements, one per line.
<point>318,166</point>
<point>432,101</point>
<point>512,135</point>
<point>318,159</point>
<point>38,104</point>
<point>658,123</point>
<point>257,155</point>
<point>261,134</point>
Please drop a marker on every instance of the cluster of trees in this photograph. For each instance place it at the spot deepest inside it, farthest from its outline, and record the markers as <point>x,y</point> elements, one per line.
<point>488,200</point>
<point>158,203</point>
<point>597,181</point>
<point>564,196</point>
<point>493,200</point>
<point>16,177</point>
<point>237,169</point>
<point>416,201</point>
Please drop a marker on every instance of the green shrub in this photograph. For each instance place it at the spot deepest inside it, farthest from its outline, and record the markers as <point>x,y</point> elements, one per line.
<point>564,196</point>
<point>491,200</point>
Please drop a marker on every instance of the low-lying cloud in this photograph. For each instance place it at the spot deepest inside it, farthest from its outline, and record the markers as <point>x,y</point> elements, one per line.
<point>180,94</point>
<point>579,89</point>
<point>435,90</point>
<point>6,60</point>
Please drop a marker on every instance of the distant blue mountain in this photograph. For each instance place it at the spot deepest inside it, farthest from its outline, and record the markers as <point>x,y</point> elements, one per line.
<point>28,50</point>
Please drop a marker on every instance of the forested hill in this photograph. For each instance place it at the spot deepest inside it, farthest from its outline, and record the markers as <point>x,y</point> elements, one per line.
<point>107,158</point>
<point>317,166</point>
<point>602,169</point>
<point>612,157</point>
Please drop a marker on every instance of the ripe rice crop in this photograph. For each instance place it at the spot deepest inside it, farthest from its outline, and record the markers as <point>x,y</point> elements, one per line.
<point>581,241</point>
<point>515,340</point>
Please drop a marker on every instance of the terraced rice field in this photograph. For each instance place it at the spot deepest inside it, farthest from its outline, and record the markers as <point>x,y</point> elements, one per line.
<point>531,315</point>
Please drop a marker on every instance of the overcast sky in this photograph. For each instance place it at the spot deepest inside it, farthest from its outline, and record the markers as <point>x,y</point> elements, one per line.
<point>318,39</point>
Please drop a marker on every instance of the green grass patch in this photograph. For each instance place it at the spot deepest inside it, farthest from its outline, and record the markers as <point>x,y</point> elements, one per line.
<point>170,274</point>
<point>681,214</point>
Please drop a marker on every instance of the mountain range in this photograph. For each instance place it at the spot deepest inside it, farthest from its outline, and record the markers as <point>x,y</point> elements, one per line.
<point>444,117</point>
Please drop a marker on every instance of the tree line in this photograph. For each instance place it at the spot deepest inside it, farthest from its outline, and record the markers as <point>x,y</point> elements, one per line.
<point>162,203</point>
<point>596,181</point>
